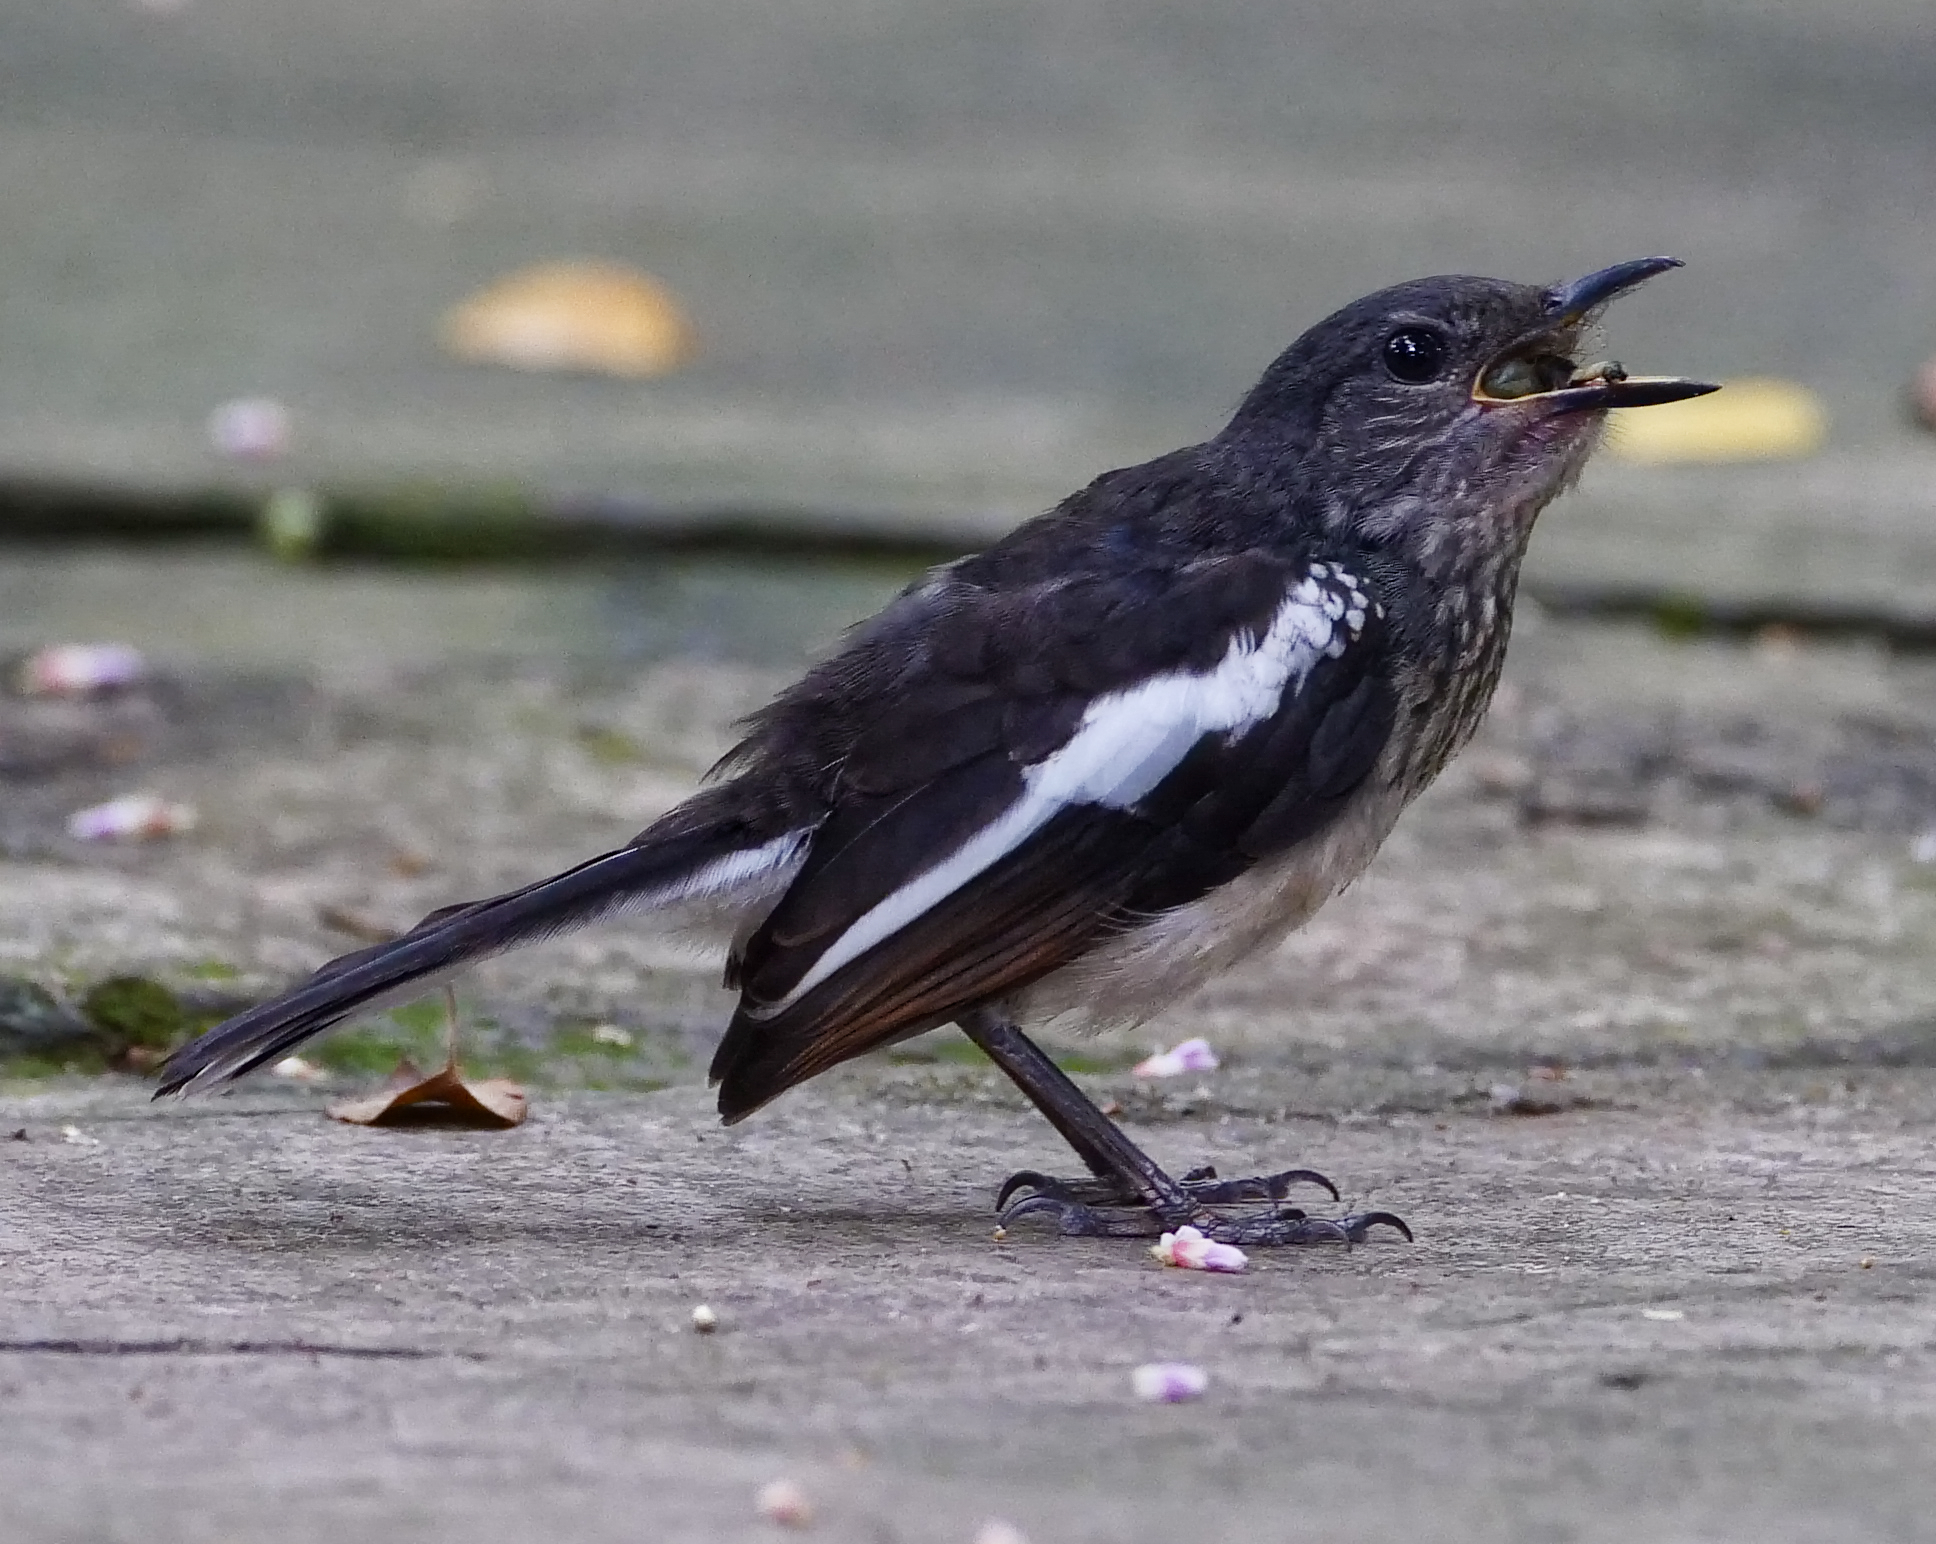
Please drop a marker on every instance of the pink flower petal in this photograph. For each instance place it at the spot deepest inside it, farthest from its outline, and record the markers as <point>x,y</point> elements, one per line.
<point>250,428</point>
<point>1187,1249</point>
<point>1190,1056</point>
<point>135,817</point>
<point>784,1502</point>
<point>1169,1383</point>
<point>75,668</point>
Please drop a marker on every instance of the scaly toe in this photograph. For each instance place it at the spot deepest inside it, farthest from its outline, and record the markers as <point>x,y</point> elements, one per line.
<point>1287,1225</point>
<point>1088,1192</point>
<point>1074,1220</point>
<point>1262,1187</point>
<point>1358,1223</point>
<point>1202,1184</point>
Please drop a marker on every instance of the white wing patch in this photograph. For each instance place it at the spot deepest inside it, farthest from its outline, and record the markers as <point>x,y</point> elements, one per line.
<point>774,863</point>
<point>1126,744</point>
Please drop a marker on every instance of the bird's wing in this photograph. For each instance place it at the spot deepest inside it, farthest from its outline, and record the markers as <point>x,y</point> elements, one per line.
<point>1049,774</point>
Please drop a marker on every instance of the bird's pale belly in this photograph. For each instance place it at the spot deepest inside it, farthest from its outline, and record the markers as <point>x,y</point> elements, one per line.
<point>1142,971</point>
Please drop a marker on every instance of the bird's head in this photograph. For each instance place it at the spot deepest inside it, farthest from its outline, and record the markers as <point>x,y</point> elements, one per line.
<point>1449,407</point>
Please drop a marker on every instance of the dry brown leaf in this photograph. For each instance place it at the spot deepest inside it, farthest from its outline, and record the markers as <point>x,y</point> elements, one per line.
<point>592,316</point>
<point>442,1099</point>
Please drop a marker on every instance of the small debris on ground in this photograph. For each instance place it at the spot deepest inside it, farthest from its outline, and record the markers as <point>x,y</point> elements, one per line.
<point>250,429</point>
<point>1563,801</point>
<point>297,1070</point>
<point>75,1137</point>
<point>1499,774</point>
<point>591,316</point>
<point>410,863</point>
<point>1663,1315</point>
<point>611,1034</point>
<point>353,924</point>
<point>1802,798</point>
<point>81,669</point>
<point>1513,1099</point>
<point>1169,1383</point>
<point>1190,1056</point>
<point>135,817</point>
<point>785,1503</point>
<point>995,1531</point>
<point>1188,1250</point>
<point>704,1320</point>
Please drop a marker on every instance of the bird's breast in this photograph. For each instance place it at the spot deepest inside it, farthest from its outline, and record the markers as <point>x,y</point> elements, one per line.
<point>1143,969</point>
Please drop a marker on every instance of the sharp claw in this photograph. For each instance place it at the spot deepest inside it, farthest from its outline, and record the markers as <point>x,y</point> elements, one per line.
<point>1265,1187</point>
<point>1074,1220</point>
<point>1279,1183</point>
<point>1098,1208</point>
<point>1025,1179</point>
<point>1069,1215</point>
<point>1355,1226</point>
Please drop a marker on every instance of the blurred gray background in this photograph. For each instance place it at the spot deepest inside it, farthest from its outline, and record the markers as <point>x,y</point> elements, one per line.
<point>947,260</point>
<point>1634,1018</point>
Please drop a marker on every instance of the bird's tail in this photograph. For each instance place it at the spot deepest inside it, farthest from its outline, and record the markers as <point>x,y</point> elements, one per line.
<point>676,860</point>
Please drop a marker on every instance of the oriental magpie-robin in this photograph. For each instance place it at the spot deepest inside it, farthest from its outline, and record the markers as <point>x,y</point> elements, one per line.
<point>1128,745</point>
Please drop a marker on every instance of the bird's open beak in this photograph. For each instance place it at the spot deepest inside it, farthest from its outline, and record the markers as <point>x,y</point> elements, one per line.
<point>1613,387</point>
<point>1607,385</point>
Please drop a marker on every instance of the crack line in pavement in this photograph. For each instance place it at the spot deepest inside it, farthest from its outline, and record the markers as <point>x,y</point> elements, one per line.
<point>184,1346</point>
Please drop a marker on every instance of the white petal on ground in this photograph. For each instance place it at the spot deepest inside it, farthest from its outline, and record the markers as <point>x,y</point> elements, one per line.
<point>784,1502</point>
<point>135,817</point>
<point>1190,1056</point>
<point>74,669</point>
<point>1188,1250</point>
<point>1169,1383</point>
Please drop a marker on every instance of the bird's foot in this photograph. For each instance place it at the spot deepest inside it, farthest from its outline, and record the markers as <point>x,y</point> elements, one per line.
<point>1202,1184</point>
<point>1258,1230</point>
<point>1103,1208</point>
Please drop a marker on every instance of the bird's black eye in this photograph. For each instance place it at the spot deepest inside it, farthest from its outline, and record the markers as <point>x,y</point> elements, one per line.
<point>1415,355</point>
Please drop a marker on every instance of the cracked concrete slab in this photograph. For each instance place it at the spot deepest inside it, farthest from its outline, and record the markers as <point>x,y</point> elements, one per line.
<point>1690,1302</point>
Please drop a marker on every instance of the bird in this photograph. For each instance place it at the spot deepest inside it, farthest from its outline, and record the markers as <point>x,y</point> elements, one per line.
<point>1134,741</point>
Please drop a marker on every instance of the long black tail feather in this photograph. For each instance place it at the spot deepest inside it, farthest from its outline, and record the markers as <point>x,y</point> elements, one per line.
<point>657,869</point>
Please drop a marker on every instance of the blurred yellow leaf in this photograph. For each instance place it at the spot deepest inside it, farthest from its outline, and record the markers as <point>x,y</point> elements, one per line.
<point>1922,395</point>
<point>1753,419</point>
<point>593,316</point>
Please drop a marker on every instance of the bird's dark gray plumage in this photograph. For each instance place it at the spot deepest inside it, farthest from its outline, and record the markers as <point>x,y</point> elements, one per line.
<point>1122,748</point>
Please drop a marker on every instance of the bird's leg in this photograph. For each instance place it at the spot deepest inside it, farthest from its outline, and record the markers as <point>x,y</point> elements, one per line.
<point>1098,1142</point>
<point>1130,1195</point>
